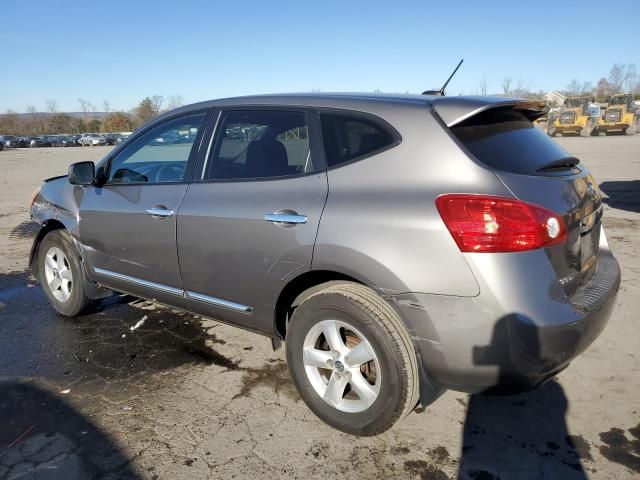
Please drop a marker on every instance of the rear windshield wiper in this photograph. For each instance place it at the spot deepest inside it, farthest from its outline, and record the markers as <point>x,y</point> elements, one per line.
<point>560,163</point>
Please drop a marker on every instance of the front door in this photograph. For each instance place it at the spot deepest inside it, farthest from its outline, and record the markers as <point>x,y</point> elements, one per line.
<point>128,225</point>
<point>250,225</point>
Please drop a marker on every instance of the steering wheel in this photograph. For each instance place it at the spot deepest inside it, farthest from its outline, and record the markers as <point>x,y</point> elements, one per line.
<point>170,173</point>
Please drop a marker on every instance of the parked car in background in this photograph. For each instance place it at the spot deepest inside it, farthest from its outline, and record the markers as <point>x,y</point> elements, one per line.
<point>123,136</point>
<point>39,142</point>
<point>92,139</point>
<point>55,140</point>
<point>400,245</point>
<point>23,142</point>
<point>68,141</point>
<point>111,138</point>
<point>8,140</point>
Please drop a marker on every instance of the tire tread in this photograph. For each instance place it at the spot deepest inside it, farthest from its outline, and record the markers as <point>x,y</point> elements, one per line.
<point>386,318</point>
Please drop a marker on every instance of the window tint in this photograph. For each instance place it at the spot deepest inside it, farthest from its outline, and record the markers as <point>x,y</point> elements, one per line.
<point>348,137</point>
<point>505,139</point>
<point>160,155</point>
<point>261,144</point>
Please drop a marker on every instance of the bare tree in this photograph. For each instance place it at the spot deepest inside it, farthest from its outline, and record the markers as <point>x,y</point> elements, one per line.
<point>85,106</point>
<point>603,90</point>
<point>622,77</point>
<point>573,88</point>
<point>175,101</point>
<point>483,86</point>
<point>617,76</point>
<point>106,105</point>
<point>630,79</point>
<point>52,105</point>
<point>506,85</point>
<point>34,126</point>
<point>156,102</point>
<point>587,88</point>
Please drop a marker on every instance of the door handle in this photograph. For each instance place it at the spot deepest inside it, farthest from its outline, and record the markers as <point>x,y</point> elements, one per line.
<point>286,217</point>
<point>159,212</point>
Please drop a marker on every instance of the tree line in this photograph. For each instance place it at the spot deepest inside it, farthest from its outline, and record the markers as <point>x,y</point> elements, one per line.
<point>52,121</point>
<point>622,78</point>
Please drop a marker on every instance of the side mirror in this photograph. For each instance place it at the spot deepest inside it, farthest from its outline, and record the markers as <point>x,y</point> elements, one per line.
<point>82,173</point>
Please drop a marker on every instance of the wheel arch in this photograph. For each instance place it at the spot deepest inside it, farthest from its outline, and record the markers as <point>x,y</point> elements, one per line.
<point>47,226</point>
<point>300,288</point>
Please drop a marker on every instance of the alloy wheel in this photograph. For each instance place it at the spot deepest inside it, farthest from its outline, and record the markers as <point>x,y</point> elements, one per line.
<point>342,366</point>
<point>57,271</point>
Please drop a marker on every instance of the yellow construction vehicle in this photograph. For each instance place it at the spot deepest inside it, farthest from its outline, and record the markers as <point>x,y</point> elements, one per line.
<point>620,116</point>
<point>575,118</point>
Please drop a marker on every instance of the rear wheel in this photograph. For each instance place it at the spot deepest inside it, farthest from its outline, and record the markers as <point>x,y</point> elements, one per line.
<point>61,274</point>
<point>352,360</point>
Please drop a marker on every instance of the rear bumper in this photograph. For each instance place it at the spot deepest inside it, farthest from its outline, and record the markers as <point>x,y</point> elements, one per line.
<point>520,331</point>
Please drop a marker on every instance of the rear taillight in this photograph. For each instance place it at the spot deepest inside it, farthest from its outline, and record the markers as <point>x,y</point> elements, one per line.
<point>485,223</point>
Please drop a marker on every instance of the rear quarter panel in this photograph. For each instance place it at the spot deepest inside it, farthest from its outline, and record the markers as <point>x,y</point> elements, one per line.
<point>380,223</point>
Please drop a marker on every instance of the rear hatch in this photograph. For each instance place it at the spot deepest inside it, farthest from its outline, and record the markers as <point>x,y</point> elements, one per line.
<point>538,170</point>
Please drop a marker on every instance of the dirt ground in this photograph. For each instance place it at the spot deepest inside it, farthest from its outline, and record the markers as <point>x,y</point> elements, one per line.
<point>185,397</point>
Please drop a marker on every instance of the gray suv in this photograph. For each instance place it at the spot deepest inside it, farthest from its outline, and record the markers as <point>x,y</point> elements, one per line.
<point>399,245</point>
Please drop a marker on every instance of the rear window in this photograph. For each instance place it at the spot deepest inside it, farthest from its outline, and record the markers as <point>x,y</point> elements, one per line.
<point>505,139</point>
<point>348,137</point>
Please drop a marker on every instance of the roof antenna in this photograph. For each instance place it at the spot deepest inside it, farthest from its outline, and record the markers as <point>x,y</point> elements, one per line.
<point>440,92</point>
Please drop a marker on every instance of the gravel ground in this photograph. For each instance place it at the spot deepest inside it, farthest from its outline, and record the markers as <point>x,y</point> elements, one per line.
<point>186,397</point>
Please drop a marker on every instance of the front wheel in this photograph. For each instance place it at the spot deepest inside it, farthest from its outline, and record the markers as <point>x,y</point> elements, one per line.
<point>61,274</point>
<point>352,360</point>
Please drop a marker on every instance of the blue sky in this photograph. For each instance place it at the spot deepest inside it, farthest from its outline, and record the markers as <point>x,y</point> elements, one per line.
<point>124,51</point>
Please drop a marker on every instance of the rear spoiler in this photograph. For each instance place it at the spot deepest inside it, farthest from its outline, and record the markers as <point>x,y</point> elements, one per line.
<point>454,110</point>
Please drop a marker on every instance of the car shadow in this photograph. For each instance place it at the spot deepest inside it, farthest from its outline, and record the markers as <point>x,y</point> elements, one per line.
<point>123,337</point>
<point>523,435</point>
<point>43,436</point>
<point>622,194</point>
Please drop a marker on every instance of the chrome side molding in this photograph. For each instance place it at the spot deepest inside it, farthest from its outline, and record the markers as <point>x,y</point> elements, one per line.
<point>145,283</point>
<point>219,302</point>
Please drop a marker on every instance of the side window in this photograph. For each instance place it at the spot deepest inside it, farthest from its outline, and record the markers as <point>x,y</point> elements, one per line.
<point>158,156</point>
<point>347,137</point>
<point>260,144</point>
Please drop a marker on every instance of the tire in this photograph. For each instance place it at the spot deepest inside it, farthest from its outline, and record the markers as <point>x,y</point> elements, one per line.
<point>69,299</point>
<point>359,316</point>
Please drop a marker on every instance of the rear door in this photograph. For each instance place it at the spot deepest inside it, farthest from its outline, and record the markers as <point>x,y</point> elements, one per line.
<point>128,225</point>
<point>538,170</point>
<point>249,225</point>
